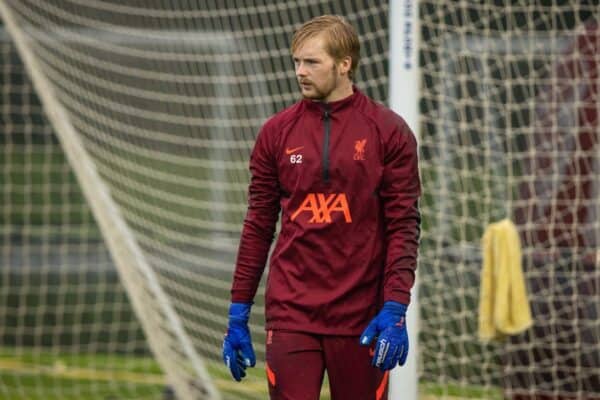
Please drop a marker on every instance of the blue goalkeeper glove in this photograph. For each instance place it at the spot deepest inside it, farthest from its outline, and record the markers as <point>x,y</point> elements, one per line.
<point>392,342</point>
<point>238,352</point>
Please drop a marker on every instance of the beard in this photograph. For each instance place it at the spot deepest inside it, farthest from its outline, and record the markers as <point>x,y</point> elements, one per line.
<point>315,93</point>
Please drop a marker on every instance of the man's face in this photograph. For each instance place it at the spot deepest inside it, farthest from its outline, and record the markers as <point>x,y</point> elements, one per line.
<point>316,71</point>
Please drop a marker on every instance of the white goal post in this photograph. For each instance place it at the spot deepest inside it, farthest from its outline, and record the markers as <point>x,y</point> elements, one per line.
<point>404,99</point>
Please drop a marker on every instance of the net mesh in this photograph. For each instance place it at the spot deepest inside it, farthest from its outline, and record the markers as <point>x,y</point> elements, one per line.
<point>510,130</point>
<point>167,97</point>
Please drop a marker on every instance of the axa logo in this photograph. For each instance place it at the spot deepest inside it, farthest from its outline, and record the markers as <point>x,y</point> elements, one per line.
<point>321,206</point>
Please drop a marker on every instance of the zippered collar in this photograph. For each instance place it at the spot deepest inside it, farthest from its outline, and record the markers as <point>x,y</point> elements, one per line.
<point>333,106</point>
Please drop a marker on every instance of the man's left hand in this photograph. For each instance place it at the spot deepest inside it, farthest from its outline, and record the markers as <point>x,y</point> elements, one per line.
<point>389,326</point>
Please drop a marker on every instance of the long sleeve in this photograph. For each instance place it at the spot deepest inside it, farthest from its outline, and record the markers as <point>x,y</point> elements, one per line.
<point>260,221</point>
<point>400,193</point>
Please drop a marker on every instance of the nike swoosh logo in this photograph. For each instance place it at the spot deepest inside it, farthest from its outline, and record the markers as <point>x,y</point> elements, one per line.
<point>289,151</point>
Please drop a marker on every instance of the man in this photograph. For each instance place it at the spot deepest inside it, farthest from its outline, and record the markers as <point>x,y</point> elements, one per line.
<point>343,171</point>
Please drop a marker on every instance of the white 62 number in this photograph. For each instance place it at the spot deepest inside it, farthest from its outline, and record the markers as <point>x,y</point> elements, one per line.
<point>296,158</point>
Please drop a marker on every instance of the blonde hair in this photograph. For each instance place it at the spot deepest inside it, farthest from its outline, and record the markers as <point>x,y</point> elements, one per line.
<point>341,39</point>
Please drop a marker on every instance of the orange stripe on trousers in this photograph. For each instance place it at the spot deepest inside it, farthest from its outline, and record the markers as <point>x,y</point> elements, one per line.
<point>270,375</point>
<point>382,386</point>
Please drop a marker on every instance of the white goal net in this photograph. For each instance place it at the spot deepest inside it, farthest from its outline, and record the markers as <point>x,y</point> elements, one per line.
<point>510,129</point>
<point>126,132</point>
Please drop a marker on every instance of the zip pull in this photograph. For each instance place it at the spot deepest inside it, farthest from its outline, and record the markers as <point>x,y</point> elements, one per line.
<point>326,110</point>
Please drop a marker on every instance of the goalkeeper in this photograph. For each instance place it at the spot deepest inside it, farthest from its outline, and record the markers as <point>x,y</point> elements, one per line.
<point>342,169</point>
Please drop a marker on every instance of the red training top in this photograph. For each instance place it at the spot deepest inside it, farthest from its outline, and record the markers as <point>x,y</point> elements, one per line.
<point>345,176</point>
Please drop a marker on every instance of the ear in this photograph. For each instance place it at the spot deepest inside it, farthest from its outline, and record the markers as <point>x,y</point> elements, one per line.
<point>344,65</point>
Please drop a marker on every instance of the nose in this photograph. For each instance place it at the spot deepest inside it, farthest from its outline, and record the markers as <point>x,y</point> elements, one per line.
<point>300,70</point>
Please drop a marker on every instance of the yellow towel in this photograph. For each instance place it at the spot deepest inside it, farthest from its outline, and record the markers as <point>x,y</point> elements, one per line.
<point>503,304</point>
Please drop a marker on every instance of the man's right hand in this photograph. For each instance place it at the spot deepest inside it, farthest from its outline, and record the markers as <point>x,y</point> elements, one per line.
<point>238,353</point>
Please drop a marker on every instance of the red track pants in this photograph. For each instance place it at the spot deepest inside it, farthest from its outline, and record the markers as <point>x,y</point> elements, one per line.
<point>296,363</point>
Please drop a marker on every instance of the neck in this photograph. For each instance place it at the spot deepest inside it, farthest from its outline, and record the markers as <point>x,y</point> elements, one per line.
<point>341,92</point>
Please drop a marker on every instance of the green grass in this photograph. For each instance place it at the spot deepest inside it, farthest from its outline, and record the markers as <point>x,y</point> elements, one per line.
<point>25,374</point>
<point>47,387</point>
<point>98,361</point>
<point>452,391</point>
<point>29,375</point>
